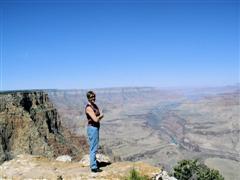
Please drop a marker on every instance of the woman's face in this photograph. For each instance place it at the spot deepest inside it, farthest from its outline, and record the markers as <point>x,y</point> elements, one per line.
<point>92,99</point>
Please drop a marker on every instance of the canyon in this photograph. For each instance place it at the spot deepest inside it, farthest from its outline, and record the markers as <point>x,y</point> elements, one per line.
<point>162,126</point>
<point>158,126</point>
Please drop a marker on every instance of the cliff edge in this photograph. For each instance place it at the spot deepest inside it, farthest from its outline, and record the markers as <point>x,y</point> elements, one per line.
<point>29,124</point>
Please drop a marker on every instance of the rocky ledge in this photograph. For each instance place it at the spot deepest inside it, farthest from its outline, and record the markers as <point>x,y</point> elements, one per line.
<point>37,167</point>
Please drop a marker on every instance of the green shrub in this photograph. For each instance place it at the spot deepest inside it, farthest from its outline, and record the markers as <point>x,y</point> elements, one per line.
<point>134,175</point>
<point>192,169</point>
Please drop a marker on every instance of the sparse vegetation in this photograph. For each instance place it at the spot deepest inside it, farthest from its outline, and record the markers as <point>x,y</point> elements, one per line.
<point>193,169</point>
<point>134,175</point>
<point>59,177</point>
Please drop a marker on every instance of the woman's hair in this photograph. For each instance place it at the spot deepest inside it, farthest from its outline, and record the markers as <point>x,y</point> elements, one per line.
<point>90,94</point>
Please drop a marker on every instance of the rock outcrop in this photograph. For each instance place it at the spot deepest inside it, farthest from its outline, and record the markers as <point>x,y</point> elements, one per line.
<point>30,124</point>
<point>101,159</point>
<point>64,158</point>
<point>36,167</point>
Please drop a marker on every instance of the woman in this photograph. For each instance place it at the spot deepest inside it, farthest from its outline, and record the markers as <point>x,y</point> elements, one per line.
<point>94,116</point>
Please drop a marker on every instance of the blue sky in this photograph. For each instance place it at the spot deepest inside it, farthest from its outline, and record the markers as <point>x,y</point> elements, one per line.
<point>102,44</point>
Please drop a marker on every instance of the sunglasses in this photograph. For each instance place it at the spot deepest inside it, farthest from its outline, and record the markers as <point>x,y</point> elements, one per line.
<point>92,97</point>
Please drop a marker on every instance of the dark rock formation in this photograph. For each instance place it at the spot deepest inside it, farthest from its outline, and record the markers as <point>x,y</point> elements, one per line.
<point>30,124</point>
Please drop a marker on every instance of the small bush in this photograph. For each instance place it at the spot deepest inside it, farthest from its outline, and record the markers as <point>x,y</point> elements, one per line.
<point>192,169</point>
<point>134,175</point>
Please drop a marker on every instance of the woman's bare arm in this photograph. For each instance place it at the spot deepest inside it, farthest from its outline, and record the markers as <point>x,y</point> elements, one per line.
<point>91,113</point>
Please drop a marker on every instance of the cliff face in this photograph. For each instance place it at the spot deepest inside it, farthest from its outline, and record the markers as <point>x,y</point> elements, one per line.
<point>30,124</point>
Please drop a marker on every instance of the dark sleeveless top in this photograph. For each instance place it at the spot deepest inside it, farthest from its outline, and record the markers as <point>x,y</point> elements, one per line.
<point>91,122</point>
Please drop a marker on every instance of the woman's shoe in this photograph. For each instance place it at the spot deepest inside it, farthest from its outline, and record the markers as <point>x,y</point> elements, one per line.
<point>96,170</point>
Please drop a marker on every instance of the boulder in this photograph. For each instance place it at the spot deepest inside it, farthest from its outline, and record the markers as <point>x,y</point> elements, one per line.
<point>163,175</point>
<point>101,159</point>
<point>64,158</point>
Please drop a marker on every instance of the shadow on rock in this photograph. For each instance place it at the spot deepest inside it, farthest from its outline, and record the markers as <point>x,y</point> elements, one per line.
<point>103,164</point>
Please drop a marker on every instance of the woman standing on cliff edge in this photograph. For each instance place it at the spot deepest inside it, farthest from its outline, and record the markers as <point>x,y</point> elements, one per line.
<point>94,116</point>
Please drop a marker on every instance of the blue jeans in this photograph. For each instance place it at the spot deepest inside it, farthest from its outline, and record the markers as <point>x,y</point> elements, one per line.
<point>93,138</point>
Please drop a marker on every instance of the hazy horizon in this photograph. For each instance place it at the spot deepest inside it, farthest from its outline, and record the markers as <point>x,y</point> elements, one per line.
<point>116,87</point>
<point>79,45</point>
